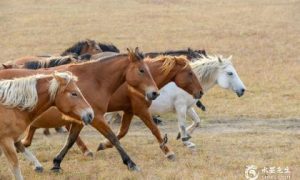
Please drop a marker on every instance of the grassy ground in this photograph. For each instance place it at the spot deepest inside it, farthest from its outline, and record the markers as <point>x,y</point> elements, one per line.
<point>262,36</point>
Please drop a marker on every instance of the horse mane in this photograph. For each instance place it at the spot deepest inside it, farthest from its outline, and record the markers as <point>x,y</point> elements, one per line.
<point>21,93</point>
<point>49,62</point>
<point>77,47</point>
<point>190,53</point>
<point>169,62</point>
<point>108,47</point>
<point>206,68</point>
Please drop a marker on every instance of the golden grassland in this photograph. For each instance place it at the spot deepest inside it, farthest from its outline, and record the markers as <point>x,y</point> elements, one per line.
<point>263,37</point>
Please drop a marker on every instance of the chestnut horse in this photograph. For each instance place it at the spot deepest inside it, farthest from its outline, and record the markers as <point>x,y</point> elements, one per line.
<point>164,69</point>
<point>98,80</point>
<point>24,99</point>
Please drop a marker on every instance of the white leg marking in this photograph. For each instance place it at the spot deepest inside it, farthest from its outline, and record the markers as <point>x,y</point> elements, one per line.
<point>17,173</point>
<point>196,120</point>
<point>30,157</point>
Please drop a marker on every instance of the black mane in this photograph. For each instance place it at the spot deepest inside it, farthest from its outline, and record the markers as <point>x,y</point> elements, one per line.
<point>108,47</point>
<point>76,48</point>
<point>189,53</point>
<point>47,63</point>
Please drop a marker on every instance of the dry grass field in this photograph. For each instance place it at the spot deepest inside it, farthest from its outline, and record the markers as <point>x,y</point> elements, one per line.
<point>261,128</point>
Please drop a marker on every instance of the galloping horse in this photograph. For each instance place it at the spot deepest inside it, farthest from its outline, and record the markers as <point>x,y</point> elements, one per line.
<point>98,80</point>
<point>24,99</point>
<point>210,70</point>
<point>164,69</point>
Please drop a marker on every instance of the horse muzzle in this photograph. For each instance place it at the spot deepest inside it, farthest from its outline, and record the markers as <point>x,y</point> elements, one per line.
<point>152,95</point>
<point>240,92</point>
<point>88,117</point>
<point>198,95</point>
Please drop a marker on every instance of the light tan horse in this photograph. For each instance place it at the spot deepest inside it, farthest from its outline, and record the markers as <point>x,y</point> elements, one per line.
<point>24,99</point>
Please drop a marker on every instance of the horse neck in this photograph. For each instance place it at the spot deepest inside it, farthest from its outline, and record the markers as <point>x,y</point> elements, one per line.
<point>110,73</point>
<point>160,80</point>
<point>207,81</point>
<point>44,101</point>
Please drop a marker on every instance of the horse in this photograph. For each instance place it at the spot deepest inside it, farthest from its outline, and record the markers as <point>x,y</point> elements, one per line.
<point>23,99</point>
<point>210,70</point>
<point>100,79</point>
<point>164,69</point>
<point>191,55</point>
<point>88,46</point>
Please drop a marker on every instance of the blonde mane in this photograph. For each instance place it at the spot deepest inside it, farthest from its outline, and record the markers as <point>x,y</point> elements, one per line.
<point>21,93</point>
<point>207,68</point>
<point>169,62</point>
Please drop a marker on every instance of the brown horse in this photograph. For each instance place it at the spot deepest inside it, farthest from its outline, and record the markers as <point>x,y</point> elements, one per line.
<point>98,80</point>
<point>24,99</point>
<point>88,46</point>
<point>164,69</point>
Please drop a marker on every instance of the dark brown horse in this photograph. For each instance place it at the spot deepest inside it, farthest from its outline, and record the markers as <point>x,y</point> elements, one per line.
<point>98,80</point>
<point>78,51</point>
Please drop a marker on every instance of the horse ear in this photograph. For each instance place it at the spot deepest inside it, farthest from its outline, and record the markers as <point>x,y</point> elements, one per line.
<point>220,60</point>
<point>131,55</point>
<point>5,66</point>
<point>136,50</point>
<point>60,79</point>
<point>229,58</point>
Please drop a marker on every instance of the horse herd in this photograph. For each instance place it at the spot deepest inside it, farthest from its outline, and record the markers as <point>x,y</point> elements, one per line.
<point>88,80</point>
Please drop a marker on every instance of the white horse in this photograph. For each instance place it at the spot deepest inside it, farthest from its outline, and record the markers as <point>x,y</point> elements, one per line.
<point>210,70</point>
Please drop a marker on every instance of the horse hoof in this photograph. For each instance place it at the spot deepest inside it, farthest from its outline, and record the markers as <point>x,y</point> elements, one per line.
<point>88,154</point>
<point>101,147</point>
<point>133,167</point>
<point>56,170</point>
<point>39,169</point>
<point>171,156</point>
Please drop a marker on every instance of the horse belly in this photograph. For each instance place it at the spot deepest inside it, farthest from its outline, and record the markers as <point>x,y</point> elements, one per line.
<point>52,118</point>
<point>161,105</point>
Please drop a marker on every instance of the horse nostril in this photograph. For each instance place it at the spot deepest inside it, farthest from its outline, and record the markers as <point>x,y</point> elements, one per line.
<point>90,116</point>
<point>243,90</point>
<point>154,94</point>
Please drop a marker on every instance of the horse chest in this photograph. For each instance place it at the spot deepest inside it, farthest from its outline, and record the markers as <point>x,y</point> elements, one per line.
<point>12,123</point>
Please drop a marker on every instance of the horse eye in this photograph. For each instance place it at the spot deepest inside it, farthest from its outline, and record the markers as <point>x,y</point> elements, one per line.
<point>229,73</point>
<point>142,71</point>
<point>74,94</point>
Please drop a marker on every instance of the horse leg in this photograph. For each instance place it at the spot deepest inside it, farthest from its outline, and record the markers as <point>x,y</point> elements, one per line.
<point>146,117</point>
<point>181,116</point>
<point>26,141</point>
<point>9,151</point>
<point>73,134</point>
<point>196,120</point>
<point>100,124</point>
<point>125,123</point>
<point>80,144</point>
<point>29,156</point>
